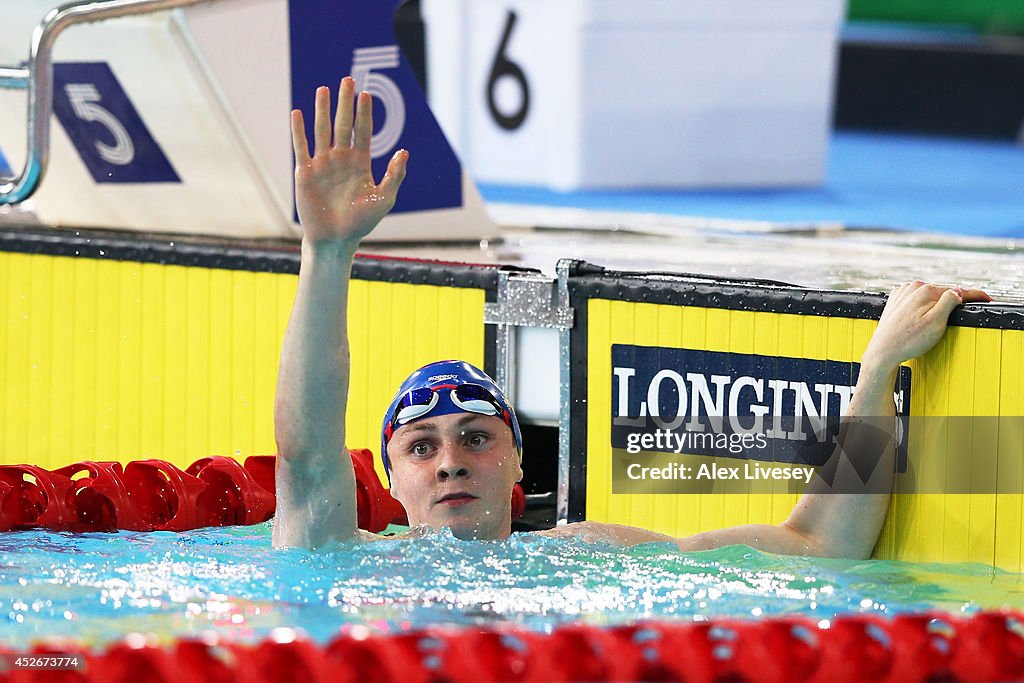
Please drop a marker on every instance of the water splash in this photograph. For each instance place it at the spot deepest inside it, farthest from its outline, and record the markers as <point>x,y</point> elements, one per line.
<point>99,587</point>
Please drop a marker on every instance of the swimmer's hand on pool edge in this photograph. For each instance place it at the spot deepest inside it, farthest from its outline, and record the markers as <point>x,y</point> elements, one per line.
<point>913,321</point>
<point>335,194</point>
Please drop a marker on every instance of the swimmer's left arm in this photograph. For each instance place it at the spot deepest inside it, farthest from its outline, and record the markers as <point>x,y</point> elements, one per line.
<point>842,512</point>
<point>762,536</point>
<point>843,516</point>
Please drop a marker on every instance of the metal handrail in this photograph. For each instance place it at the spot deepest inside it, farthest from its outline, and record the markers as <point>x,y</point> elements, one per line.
<point>36,76</point>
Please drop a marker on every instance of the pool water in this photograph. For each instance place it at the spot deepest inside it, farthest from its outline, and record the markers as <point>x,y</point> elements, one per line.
<point>99,587</point>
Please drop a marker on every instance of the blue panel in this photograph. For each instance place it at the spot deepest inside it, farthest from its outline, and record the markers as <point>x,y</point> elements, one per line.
<point>105,128</point>
<point>743,385</point>
<point>965,187</point>
<point>334,38</point>
<point>5,168</point>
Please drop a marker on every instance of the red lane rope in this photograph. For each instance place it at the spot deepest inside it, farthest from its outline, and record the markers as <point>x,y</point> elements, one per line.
<point>919,648</point>
<point>154,495</point>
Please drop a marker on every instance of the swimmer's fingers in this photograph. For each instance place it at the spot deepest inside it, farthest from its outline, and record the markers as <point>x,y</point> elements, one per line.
<point>395,174</point>
<point>948,300</point>
<point>343,117</point>
<point>933,292</point>
<point>907,290</point>
<point>914,319</point>
<point>975,296</point>
<point>322,121</point>
<point>927,295</point>
<point>364,122</point>
<point>951,297</point>
<point>299,143</point>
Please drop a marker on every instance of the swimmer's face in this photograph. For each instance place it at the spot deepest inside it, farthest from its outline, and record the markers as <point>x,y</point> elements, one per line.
<point>456,471</point>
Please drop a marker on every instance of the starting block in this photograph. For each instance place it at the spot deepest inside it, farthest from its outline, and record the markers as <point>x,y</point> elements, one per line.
<point>603,93</point>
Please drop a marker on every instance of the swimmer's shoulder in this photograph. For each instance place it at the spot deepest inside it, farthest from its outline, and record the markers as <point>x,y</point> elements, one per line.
<point>602,532</point>
<point>620,534</point>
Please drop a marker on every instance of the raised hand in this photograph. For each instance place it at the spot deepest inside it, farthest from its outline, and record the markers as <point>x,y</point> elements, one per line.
<point>914,319</point>
<point>336,196</point>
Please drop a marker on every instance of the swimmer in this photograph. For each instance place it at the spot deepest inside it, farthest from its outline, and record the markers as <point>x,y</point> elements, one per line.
<point>450,440</point>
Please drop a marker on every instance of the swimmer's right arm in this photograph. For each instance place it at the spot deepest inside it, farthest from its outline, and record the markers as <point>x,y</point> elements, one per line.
<point>338,204</point>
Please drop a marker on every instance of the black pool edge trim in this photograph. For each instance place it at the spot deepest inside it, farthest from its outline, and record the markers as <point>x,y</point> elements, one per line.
<point>594,282</point>
<point>270,256</point>
<point>578,415</point>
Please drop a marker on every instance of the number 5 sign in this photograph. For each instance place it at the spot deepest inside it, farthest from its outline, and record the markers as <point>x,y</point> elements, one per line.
<point>364,62</point>
<point>105,128</point>
<point>331,38</point>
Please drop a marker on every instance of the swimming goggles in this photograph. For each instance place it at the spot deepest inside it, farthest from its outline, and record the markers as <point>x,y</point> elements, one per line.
<point>469,398</point>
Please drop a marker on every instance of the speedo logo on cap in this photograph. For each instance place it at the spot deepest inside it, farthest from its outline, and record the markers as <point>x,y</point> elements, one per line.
<point>440,378</point>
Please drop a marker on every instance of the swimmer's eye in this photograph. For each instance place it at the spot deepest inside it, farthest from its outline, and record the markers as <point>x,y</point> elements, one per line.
<point>477,439</point>
<point>420,449</point>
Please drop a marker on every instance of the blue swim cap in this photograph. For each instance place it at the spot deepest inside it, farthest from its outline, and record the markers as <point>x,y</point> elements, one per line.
<point>444,388</point>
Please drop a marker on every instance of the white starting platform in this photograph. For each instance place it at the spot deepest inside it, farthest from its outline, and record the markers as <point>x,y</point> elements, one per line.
<point>603,93</point>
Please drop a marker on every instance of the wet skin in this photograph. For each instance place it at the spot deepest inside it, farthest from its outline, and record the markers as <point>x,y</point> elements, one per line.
<point>456,471</point>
